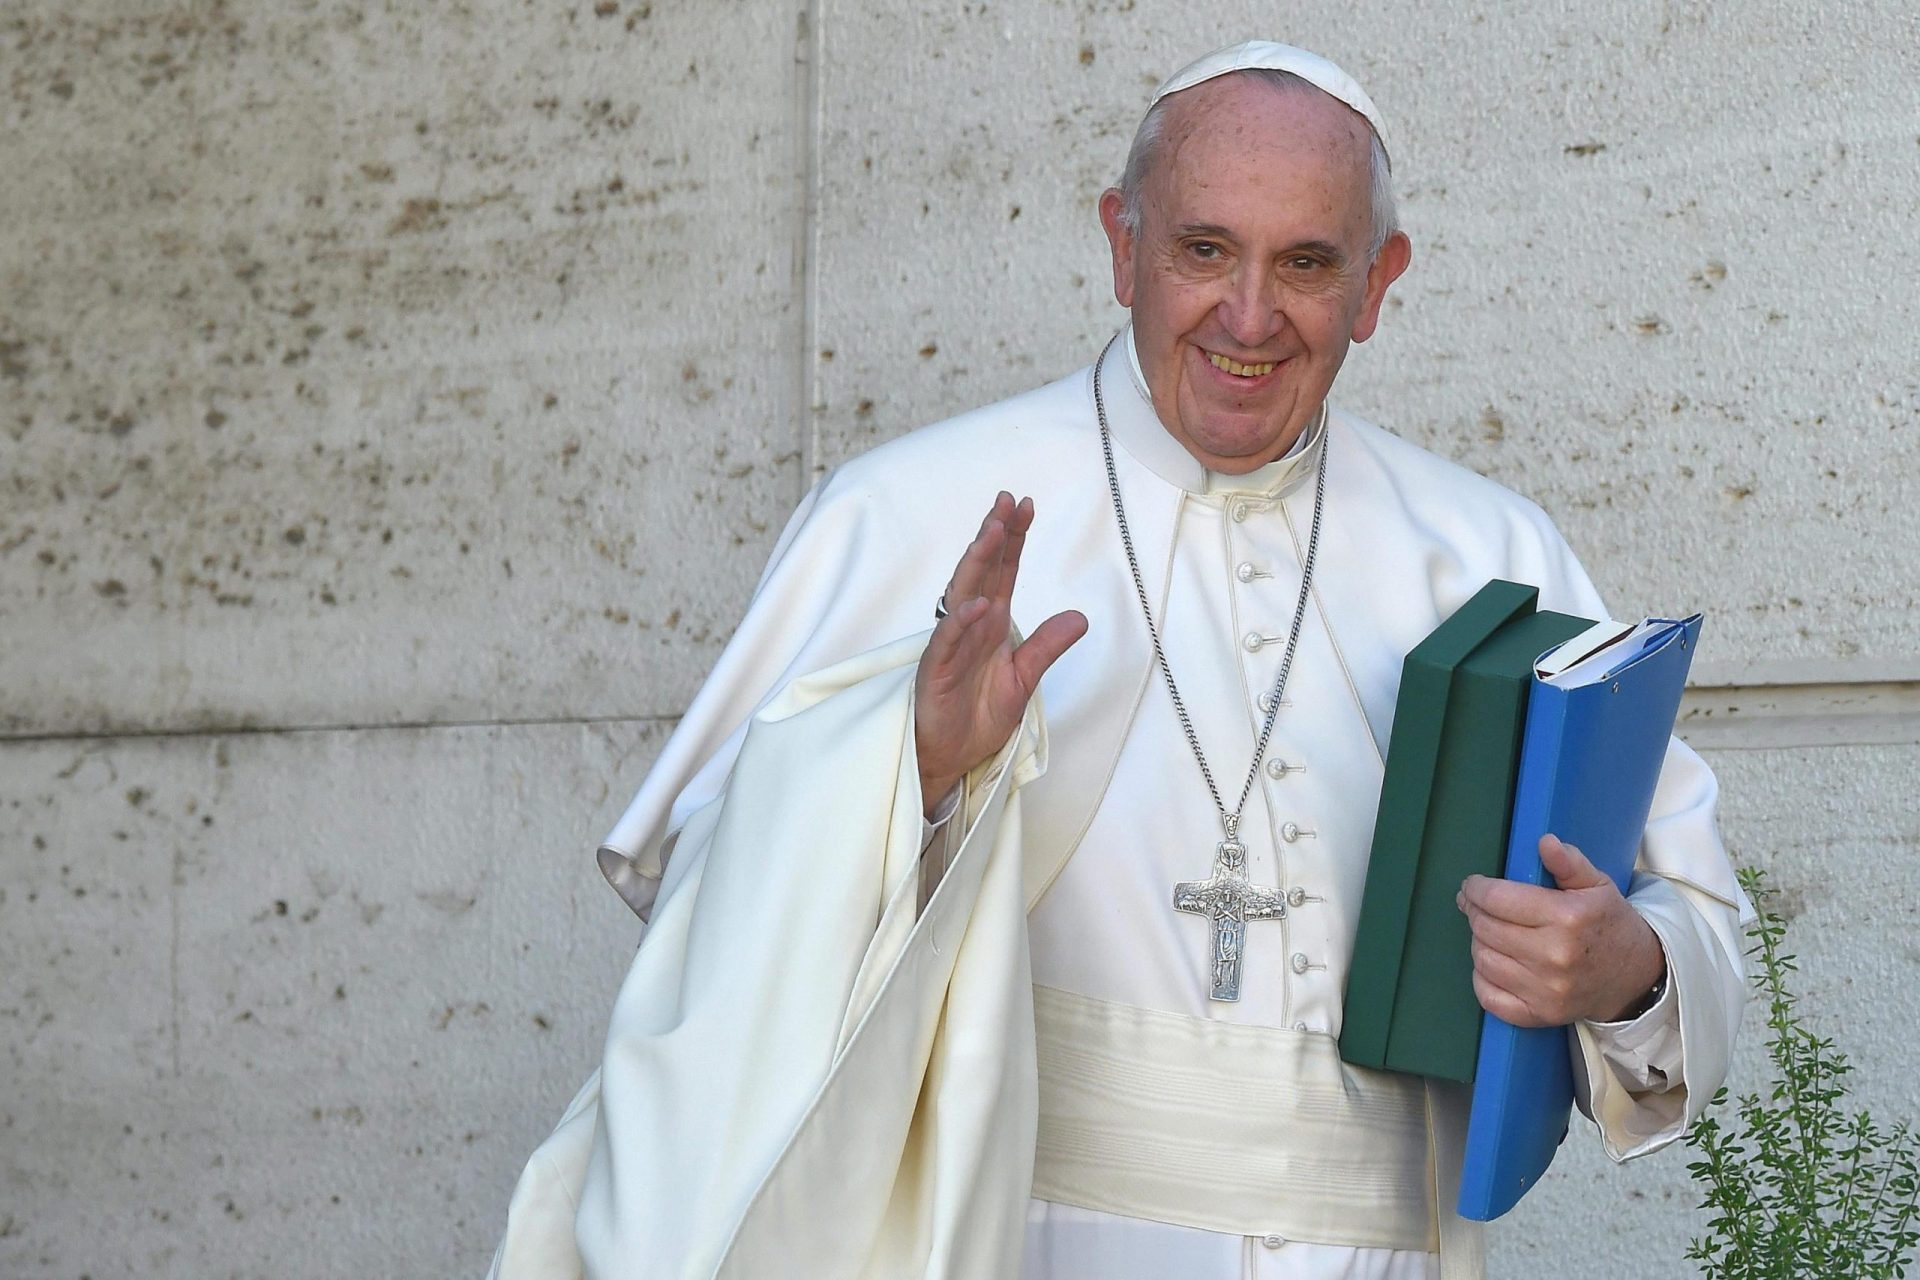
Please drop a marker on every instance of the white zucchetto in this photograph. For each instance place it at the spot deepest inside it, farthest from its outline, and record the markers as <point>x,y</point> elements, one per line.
<point>1268,55</point>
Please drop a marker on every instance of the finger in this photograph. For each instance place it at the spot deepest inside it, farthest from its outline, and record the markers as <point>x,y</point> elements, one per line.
<point>1503,1004</point>
<point>988,622</point>
<point>977,564</point>
<point>1049,640</point>
<point>1570,868</point>
<point>1517,940</point>
<point>943,660</point>
<point>1509,900</point>
<point>1009,570</point>
<point>1509,973</point>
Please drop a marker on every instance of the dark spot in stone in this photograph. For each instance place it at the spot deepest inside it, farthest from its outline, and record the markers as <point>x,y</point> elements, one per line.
<point>1013,213</point>
<point>1086,55</point>
<point>552,401</point>
<point>929,351</point>
<point>137,796</point>
<point>279,906</point>
<point>540,1020</point>
<point>111,588</point>
<point>415,215</point>
<point>62,89</point>
<point>863,409</point>
<point>119,425</point>
<point>616,186</point>
<point>606,8</point>
<point>340,992</point>
<point>294,537</point>
<point>377,172</point>
<point>1584,148</point>
<point>826,353</point>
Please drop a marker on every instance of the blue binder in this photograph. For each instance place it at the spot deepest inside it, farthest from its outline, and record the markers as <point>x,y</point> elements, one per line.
<point>1590,756</point>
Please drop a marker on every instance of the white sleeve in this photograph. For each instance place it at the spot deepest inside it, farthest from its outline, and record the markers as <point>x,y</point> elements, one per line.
<point>939,839</point>
<point>1644,1081</point>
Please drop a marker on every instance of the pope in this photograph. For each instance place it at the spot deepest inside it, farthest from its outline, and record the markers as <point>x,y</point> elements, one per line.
<point>1018,947</point>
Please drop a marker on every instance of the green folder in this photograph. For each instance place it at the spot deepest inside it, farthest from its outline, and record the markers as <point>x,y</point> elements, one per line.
<point>1445,804</point>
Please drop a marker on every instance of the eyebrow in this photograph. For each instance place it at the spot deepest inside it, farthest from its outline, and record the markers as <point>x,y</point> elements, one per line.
<point>1333,253</point>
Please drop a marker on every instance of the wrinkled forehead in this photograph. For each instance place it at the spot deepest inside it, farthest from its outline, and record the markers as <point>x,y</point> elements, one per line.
<point>1242,108</point>
<point>1262,161</point>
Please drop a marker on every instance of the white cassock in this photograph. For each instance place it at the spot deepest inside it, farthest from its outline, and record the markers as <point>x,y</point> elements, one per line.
<point>1078,1058</point>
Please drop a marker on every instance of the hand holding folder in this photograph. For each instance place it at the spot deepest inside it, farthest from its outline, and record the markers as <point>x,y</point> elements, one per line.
<point>1510,723</point>
<point>1596,736</point>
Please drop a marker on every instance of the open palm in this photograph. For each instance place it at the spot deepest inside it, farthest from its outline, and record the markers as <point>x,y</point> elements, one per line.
<point>974,682</point>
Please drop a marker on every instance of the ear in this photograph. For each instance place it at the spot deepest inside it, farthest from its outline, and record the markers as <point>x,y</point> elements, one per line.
<point>1120,241</point>
<point>1387,267</point>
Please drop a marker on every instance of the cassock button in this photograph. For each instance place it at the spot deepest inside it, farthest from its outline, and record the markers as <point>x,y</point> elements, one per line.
<point>1276,767</point>
<point>1299,962</point>
<point>1290,832</point>
<point>1238,511</point>
<point>1296,897</point>
<point>1245,572</point>
<point>1274,1241</point>
<point>1299,1026</point>
<point>1253,642</point>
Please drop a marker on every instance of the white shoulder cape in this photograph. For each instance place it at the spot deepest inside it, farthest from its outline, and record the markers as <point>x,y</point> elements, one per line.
<point>802,1079</point>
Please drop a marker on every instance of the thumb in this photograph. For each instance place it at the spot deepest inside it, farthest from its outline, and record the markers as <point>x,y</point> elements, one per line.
<point>1568,866</point>
<point>1049,640</point>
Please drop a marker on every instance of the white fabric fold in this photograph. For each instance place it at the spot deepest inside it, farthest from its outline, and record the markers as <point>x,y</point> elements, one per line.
<point>789,1005</point>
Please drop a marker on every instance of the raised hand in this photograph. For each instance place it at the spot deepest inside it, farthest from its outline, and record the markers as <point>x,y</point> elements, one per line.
<point>1545,957</point>
<point>974,685</point>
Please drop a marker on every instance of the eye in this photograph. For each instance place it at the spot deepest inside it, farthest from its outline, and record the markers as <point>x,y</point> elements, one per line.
<point>1304,263</point>
<point>1205,250</point>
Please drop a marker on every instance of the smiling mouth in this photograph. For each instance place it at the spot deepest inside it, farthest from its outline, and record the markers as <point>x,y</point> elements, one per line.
<point>1239,370</point>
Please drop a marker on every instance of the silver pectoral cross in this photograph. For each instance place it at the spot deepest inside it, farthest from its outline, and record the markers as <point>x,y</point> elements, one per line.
<point>1228,901</point>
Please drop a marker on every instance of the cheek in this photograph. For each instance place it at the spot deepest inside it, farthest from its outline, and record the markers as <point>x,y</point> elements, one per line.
<point>1182,306</point>
<point>1324,322</point>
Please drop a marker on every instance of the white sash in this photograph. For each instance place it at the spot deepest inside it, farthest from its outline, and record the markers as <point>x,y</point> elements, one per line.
<point>1247,1130</point>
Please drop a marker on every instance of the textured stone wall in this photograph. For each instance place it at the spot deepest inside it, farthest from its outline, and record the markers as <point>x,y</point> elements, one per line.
<point>398,402</point>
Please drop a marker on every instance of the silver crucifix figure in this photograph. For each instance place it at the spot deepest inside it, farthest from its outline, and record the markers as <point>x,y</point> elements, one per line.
<point>1228,901</point>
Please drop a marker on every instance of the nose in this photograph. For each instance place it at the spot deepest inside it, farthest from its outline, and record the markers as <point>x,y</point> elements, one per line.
<point>1250,313</point>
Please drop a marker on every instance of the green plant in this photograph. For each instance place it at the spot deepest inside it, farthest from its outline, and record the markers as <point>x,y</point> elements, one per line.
<point>1799,1186</point>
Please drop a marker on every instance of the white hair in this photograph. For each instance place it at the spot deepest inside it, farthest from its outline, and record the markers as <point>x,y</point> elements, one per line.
<point>1146,142</point>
